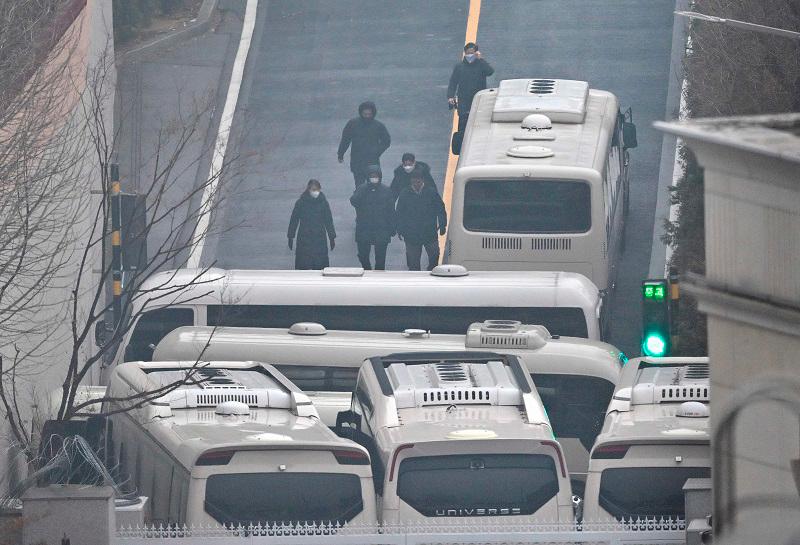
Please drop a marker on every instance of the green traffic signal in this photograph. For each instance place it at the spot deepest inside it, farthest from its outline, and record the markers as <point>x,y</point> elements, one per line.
<point>656,320</point>
<point>654,345</point>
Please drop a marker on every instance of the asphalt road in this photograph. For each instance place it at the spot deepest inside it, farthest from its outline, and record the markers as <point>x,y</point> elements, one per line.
<point>312,62</point>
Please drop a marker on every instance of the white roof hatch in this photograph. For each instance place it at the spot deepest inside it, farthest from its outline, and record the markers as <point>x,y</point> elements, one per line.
<point>562,101</point>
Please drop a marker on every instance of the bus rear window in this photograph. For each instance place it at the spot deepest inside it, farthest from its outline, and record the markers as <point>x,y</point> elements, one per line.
<point>527,206</point>
<point>252,498</point>
<point>576,404</point>
<point>477,484</point>
<point>646,491</point>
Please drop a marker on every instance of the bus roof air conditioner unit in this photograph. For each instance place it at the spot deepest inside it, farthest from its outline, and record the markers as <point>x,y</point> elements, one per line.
<point>506,334</point>
<point>561,100</point>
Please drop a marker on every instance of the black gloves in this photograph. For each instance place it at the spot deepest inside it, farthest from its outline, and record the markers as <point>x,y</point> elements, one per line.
<point>291,243</point>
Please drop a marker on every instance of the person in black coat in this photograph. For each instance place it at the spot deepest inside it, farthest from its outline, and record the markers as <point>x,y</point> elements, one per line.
<point>468,77</point>
<point>402,174</point>
<point>312,222</point>
<point>367,139</point>
<point>374,206</point>
<point>420,215</point>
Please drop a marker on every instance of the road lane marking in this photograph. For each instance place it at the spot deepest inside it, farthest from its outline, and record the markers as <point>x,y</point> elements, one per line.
<point>223,133</point>
<point>473,16</point>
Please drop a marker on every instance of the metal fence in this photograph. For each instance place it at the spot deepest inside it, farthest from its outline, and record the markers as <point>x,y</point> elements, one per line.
<point>640,532</point>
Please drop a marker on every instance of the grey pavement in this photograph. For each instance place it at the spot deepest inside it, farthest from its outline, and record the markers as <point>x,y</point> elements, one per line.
<point>312,62</point>
<point>158,90</point>
<point>310,65</point>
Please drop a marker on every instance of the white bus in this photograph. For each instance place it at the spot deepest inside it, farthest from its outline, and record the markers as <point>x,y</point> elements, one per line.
<point>458,435</point>
<point>656,435</point>
<point>575,377</point>
<point>445,300</point>
<point>542,180</point>
<point>241,446</point>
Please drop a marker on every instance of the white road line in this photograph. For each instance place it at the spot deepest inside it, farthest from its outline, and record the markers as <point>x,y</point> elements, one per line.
<point>223,133</point>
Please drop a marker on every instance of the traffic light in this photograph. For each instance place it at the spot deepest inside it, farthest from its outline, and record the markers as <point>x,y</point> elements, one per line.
<point>656,339</point>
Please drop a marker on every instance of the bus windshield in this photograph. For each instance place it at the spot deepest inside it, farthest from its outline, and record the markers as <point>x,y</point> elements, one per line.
<point>527,206</point>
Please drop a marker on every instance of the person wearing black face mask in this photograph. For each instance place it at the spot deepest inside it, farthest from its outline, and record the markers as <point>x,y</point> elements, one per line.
<point>420,215</point>
<point>402,174</point>
<point>468,77</point>
<point>374,206</point>
<point>312,222</point>
<point>367,139</point>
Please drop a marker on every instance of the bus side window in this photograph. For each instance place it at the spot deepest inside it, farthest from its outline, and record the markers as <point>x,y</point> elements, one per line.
<point>151,327</point>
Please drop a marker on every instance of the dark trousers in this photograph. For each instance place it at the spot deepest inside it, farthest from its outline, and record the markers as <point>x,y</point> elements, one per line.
<point>414,254</point>
<point>380,254</point>
<point>463,116</point>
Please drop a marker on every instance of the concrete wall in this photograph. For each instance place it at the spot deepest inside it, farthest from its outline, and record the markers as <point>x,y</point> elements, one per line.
<point>751,294</point>
<point>91,43</point>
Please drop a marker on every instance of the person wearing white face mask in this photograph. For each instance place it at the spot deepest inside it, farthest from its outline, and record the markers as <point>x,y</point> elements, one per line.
<point>312,222</point>
<point>374,206</point>
<point>402,174</point>
<point>468,77</point>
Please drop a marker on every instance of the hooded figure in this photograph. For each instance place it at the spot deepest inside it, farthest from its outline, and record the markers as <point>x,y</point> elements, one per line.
<point>374,204</point>
<point>367,139</point>
<point>312,222</point>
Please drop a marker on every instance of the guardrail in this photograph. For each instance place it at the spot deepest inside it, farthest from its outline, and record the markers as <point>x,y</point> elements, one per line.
<point>640,532</point>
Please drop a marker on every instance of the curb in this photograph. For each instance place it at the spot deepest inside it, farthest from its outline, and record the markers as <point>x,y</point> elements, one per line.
<point>198,27</point>
<point>669,163</point>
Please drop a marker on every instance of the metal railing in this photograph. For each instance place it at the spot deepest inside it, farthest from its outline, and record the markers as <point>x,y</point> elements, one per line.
<point>640,532</point>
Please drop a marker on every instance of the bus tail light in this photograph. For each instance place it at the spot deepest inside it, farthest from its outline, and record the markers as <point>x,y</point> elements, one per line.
<point>351,457</point>
<point>215,458</point>
<point>610,452</point>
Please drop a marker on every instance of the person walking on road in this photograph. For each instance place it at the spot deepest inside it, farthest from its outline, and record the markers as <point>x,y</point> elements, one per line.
<point>420,214</point>
<point>468,77</point>
<point>402,174</point>
<point>374,206</point>
<point>367,139</point>
<point>312,222</point>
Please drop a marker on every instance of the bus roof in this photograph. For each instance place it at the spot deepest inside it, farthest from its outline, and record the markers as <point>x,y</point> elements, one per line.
<point>648,424</point>
<point>660,400</point>
<point>564,355</point>
<point>372,288</point>
<point>195,428</point>
<point>582,145</point>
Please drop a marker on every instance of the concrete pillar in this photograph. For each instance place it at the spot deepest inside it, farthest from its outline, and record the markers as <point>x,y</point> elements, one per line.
<point>82,514</point>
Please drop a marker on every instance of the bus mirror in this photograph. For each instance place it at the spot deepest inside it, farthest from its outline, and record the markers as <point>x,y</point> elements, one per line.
<point>629,135</point>
<point>347,423</point>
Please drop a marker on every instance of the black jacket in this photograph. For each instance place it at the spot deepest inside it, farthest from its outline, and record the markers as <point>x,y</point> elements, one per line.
<point>418,214</point>
<point>467,79</point>
<point>374,206</point>
<point>367,139</point>
<point>402,179</point>
<point>312,222</point>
